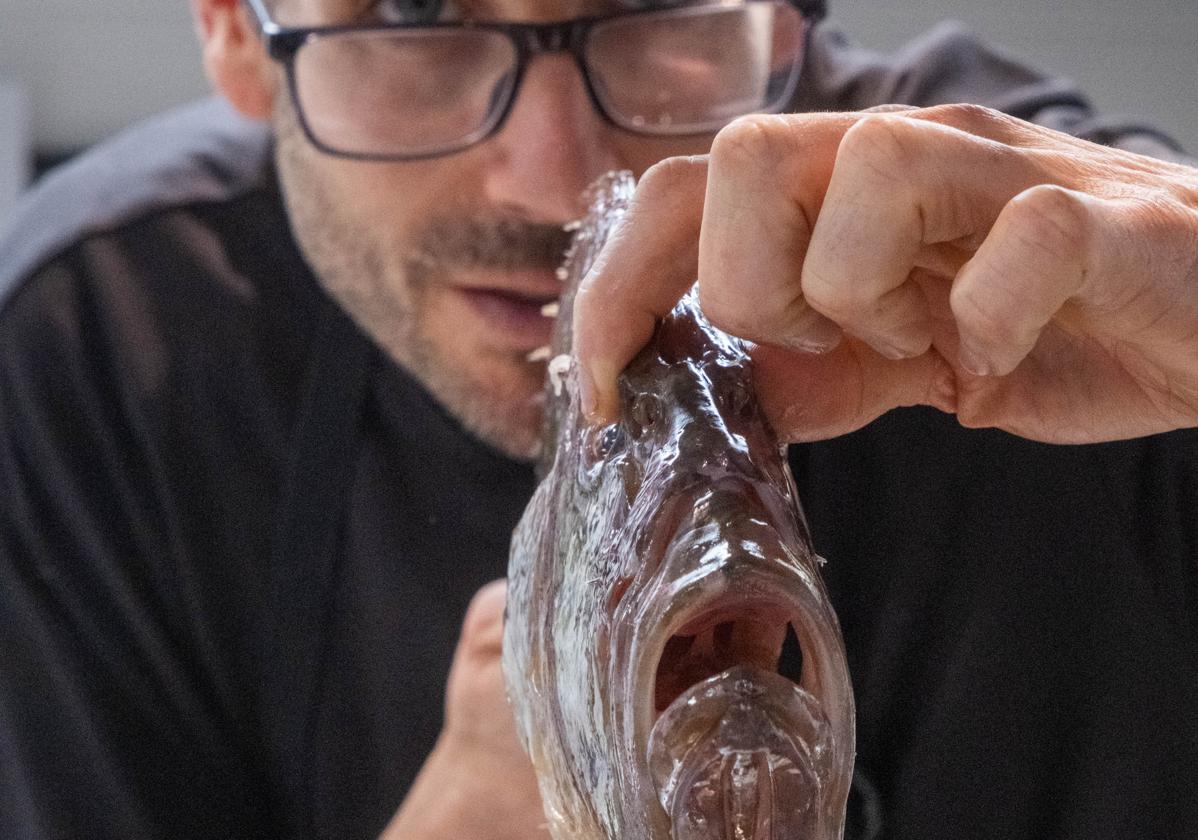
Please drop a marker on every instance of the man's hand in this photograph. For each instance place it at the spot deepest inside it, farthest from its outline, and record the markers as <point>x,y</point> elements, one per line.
<point>477,784</point>
<point>951,256</point>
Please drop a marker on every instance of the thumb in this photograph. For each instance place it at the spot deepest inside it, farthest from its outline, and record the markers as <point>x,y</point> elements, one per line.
<point>476,708</point>
<point>482,628</point>
<point>811,397</point>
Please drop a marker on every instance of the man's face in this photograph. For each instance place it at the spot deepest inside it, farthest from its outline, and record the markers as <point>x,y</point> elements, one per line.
<point>447,263</point>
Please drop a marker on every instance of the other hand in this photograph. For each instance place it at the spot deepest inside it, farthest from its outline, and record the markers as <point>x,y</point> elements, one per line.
<point>477,784</point>
<point>952,256</point>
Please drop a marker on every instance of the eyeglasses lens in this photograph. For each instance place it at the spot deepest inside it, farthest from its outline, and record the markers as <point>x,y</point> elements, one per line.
<point>407,93</point>
<point>694,69</point>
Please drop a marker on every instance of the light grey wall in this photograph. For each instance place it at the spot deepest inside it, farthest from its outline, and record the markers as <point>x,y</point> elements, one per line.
<point>1134,57</point>
<point>92,67</point>
<point>14,145</point>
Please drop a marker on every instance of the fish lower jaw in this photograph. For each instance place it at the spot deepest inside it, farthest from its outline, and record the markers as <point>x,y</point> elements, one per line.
<point>742,755</point>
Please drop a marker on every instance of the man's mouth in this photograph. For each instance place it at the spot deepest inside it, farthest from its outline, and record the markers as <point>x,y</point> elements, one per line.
<point>513,309</point>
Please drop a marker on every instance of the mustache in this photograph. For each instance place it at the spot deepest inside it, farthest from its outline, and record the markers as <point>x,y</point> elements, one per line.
<point>496,243</point>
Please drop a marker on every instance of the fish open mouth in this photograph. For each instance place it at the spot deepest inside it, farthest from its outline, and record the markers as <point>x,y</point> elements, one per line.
<point>740,722</point>
<point>750,634</point>
<point>737,745</point>
<point>742,754</point>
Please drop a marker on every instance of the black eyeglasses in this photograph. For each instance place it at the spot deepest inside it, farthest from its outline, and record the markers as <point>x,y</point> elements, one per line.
<point>419,90</point>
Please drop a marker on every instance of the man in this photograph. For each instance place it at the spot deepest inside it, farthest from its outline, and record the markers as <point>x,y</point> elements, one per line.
<point>239,527</point>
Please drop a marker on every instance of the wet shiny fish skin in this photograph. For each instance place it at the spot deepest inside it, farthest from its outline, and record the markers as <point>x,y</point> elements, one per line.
<point>651,582</point>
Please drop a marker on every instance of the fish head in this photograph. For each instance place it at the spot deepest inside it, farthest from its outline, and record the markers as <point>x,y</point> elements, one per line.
<point>653,583</point>
<point>724,571</point>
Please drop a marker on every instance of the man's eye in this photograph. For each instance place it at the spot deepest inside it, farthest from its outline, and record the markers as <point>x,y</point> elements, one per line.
<point>410,11</point>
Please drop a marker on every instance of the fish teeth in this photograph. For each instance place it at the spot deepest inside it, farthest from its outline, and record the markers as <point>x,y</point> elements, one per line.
<point>558,368</point>
<point>541,354</point>
<point>562,274</point>
<point>551,310</point>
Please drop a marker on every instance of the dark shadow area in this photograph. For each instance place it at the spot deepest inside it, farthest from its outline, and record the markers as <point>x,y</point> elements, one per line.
<point>43,162</point>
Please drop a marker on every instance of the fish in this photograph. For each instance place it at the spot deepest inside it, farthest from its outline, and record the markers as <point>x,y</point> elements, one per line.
<point>653,580</point>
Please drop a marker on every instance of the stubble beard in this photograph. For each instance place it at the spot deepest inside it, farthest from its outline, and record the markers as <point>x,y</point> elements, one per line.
<point>387,294</point>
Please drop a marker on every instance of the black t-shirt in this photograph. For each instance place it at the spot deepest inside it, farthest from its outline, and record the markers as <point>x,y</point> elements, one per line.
<point>236,543</point>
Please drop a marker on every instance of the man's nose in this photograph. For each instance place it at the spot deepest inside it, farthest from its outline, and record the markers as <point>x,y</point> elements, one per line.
<point>553,144</point>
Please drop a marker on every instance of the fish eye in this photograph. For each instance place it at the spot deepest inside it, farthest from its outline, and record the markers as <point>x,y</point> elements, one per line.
<point>603,442</point>
<point>630,472</point>
<point>738,399</point>
<point>645,412</point>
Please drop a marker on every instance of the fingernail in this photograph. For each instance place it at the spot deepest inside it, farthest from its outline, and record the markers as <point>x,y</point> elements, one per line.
<point>588,397</point>
<point>973,360</point>
<point>896,352</point>
<point>815,348</point>
<point>890,351</point>
<point>819,336</point>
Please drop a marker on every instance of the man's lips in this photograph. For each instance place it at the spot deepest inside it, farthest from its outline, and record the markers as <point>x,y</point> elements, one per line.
<point>512,308</point>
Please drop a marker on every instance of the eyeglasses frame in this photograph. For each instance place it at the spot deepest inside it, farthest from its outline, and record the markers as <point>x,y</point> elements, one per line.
<point>283,44</point>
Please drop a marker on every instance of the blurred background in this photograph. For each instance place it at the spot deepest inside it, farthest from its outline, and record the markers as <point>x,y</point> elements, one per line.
<point>72,73</point>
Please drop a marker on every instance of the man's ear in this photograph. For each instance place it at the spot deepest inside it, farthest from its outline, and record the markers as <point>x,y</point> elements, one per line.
<point>235,58</point>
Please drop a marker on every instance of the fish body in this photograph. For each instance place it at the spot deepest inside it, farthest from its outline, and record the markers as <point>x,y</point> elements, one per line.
<point>652,582</point>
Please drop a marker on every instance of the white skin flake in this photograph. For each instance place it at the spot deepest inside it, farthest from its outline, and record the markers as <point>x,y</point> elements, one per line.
<point>559,366</point>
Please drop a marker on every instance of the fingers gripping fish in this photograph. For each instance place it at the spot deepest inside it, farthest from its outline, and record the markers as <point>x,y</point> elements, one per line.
<point>651,584</point>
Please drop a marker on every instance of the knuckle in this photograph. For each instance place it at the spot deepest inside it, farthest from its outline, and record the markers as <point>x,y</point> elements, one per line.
<point>1153,232</point>
<point>887,144</point>
<point>753,142</point>
<point>967,116</point>
<point>1156,219</point>
<point>662,180</point>
<point>1054,218</point>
